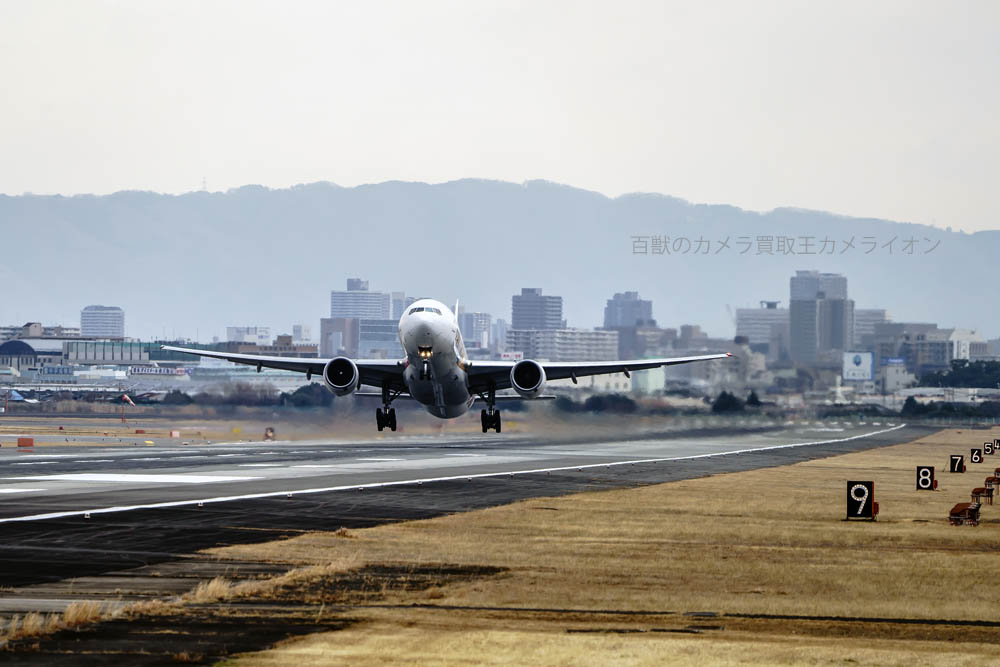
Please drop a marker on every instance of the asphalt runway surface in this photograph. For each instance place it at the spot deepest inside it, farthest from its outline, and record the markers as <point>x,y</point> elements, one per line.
<point>69,511</point>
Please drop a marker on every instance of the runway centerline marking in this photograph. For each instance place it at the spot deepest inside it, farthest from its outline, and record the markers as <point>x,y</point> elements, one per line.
<point>375,485</point>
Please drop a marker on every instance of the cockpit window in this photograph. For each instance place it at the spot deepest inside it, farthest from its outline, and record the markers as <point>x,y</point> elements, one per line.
<point>421,309</point>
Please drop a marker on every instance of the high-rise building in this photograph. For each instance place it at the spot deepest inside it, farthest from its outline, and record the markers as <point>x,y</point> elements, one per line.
<point>400,302</point>
<point>758,324</point>
<point>301,333</point>
<point>531,310</point>
<point>475,328</point>
<point>358,301</point>
<point>338,336</point>
<point>626,309</point>
<point>821,317</point>
<point>865,321</point>
<point>102,322</point>
<point>251,335</point>
<point>379,339</point>
<point>498,335</point>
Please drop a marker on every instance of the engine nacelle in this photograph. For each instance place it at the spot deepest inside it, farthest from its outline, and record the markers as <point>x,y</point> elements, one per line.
<point>527,378</point>
<point>341,376</point>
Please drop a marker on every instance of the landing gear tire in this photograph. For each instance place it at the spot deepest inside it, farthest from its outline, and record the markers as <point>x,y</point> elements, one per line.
<point>490,420</point>
<point>380,419</point>
<point>392,419</point>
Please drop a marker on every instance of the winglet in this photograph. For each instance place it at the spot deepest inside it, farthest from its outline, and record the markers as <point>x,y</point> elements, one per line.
<point>729,354</point>
<point>455,312</point>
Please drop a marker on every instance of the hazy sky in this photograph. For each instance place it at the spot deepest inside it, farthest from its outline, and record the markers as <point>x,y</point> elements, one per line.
<point>886,109</point>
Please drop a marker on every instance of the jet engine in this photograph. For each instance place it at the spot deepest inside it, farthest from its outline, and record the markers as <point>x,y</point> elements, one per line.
<point>341,376</point>
<point>527,378</point>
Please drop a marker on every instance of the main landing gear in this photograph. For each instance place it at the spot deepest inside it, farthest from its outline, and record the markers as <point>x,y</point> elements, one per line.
<point>490,417</point>
<point>386,416</point>
<point>490,420</point>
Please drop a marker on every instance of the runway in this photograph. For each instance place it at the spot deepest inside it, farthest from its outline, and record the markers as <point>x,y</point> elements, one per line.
<point>70,511</point>
<point>60,482</point>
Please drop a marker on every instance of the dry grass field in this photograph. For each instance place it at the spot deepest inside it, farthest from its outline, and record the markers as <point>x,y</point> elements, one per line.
<point>613,577</point>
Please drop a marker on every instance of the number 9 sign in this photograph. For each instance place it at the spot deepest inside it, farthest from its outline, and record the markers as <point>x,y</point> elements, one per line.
<point>859,500</point>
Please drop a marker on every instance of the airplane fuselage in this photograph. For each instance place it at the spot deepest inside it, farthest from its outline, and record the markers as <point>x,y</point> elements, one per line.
<point>435,359</point>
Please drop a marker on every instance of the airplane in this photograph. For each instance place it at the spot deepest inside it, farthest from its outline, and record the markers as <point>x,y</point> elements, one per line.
<point>437,372</point>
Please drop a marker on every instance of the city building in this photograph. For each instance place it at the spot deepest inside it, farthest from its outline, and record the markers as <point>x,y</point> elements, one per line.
<point>646,340</point>
<point>338,336</point>
<point>690,335</point>
<point>121,353</point>
<point>22,354</point>
<point>301,333</point>
<point>564,344</point>
<point>400,302</point>
<point>102,322</point>
<point>37,330</point>
<point>498,336</point>
<point>920,347</point>
<point>821,317</point>
<point>254,335</point>
<point>865,321</point>
<point>475,328</point>
<point>626,309</point>
<point>358,301</point>
<point>759,325</point>
<point>379,339</point>
<point>283,346</point>
<point>531,310</point>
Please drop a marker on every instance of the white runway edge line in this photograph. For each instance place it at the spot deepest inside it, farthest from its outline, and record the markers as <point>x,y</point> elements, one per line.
<point>428,480</point>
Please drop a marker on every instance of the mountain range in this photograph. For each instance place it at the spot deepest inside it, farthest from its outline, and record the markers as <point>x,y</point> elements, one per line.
<point>189,264</point>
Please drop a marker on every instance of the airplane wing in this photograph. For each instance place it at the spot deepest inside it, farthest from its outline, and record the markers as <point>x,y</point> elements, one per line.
<point>483,373</point>
<point>374,372</point>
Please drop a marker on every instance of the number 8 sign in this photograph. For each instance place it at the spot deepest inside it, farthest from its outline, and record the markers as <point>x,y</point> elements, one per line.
<point>925,478</point>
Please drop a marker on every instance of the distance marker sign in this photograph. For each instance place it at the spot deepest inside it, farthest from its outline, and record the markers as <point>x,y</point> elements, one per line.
<point>861,500</point>
<point>925,478</point>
